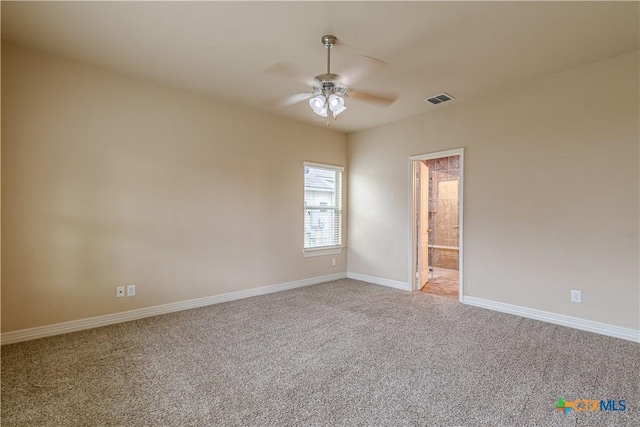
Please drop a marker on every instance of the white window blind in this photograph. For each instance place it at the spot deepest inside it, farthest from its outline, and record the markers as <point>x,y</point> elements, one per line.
<point>322,206</point>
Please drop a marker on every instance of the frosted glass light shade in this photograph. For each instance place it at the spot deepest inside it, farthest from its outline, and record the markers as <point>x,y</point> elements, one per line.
<point>336,104</point>
<point>319,105</point>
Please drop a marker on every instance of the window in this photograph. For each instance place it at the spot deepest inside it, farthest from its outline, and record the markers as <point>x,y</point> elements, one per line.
<point>322,208</point>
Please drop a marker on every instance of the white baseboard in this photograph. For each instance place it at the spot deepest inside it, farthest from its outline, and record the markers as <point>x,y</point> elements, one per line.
<point>126,316</point>
<point>558,319</point>
<point>379,281</point>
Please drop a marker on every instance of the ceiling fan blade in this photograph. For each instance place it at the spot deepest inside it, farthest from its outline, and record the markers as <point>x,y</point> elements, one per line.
<point>290,71</point>
<point>286,101</point>
<point>366,65</point>
<point>385,99</point>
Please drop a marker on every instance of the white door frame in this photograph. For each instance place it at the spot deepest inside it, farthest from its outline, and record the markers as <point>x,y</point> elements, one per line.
<point>413,238</point>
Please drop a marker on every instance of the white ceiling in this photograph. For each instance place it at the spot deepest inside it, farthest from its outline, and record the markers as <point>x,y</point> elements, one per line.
<point>467,49</point>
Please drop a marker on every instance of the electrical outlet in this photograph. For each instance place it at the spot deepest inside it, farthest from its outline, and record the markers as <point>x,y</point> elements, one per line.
<point>131,290</point>
<point>119,291</point>
<point>334,262</point>
<point>576,296</point>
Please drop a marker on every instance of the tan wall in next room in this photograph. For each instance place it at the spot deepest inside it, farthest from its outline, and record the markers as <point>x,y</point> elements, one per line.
<point>551,183</point>
<point>109,180</point>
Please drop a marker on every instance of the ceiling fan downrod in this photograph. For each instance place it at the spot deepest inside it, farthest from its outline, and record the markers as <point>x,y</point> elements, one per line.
<point>328,41</point>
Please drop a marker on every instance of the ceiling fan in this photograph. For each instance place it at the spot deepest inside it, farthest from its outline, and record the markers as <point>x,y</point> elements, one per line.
<point>328,90</point>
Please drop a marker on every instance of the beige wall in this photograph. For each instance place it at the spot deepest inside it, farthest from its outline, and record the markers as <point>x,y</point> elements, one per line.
<point>551,192</point>
<point>108,180</point>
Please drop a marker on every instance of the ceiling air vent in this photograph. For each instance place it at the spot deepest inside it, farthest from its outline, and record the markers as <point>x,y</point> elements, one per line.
<point>439,99</point>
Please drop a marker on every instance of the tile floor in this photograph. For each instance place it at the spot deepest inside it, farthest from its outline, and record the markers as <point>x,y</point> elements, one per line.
<point>443,282</point>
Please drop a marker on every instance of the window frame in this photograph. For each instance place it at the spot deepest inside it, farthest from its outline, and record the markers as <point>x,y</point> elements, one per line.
<point>339,209</point>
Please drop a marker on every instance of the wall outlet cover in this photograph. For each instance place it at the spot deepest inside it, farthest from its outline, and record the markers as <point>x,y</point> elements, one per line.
<point>131,290</point>
<point>576,296</point>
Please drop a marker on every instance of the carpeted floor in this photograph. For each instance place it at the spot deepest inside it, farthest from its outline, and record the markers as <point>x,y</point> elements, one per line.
<point>344,353</point>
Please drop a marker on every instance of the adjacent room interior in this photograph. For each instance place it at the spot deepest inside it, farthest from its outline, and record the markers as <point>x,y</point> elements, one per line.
<point>198,231</point>
<point>437,224</point>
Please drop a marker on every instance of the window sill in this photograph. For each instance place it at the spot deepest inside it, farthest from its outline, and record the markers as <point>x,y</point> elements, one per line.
<point>322,251</point>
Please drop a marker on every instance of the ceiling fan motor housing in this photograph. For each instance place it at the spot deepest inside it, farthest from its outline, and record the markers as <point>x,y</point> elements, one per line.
<point>327,84</point>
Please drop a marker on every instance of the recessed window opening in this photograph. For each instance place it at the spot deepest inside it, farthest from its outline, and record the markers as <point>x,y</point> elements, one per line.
<point>322,206</point>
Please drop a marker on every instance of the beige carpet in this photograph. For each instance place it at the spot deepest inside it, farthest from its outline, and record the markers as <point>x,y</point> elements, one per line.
<point>343,353</point>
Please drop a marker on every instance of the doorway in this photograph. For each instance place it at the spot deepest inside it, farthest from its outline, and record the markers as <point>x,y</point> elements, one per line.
<point>436,223</point>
